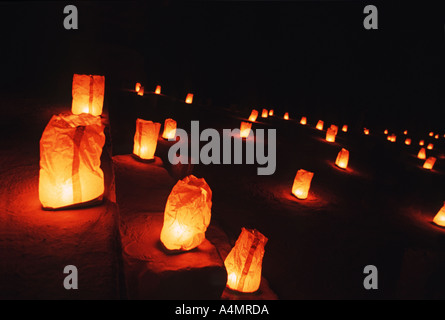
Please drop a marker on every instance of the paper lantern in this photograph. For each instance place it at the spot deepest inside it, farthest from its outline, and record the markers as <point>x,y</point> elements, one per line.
<point>405,132</point>
<point>429,163</point>
<point>286,116</point>
<point>169,129</point>
<point>264,113</point>
<point>436,136</point>
<point>253,115</point>
<point>70,150</point>
<point>302,184</point>
<point>158,90</point>
<point>138,87</point>
<point>320,125</point>
<point>342,159</point>
<point>146,139</point>
<point>189,98</point>
<point>141,91</point>
<point>431,134</point>
<point>408,141</point>
<point>330,135</point>
<point>386,131</point>
<point>344,128</point>
<point>366,131</point>
<point>421,142</point>
<point>439,219</point>
<point>271,112</point>
<point>392,137</point>
<point>245,129</point>
<point>187,214</point>
<point>88,94</point>
<point>244,261</point>
<point>422,154</point>
<point>334,128</point>
<point>303,121</point>
<point>430,146</point>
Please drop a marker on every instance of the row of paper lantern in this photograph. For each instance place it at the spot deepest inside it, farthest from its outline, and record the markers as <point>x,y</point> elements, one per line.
<point>303,178</point>
<point>70,174</point>
<point>140,91</point>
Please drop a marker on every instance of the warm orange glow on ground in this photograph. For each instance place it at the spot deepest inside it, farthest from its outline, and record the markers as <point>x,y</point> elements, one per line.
<point>158,90</point>
<point>253,115</point>
<point>244,261</point>
<point>320,125</point>
<point>429,163</point>
<point>146,139</point>
<point>169,129</point>
<point>439,219</point>
<point>342,159</point>
<point>245,129</point>
<point>302,184</point>
<point>189,98</point>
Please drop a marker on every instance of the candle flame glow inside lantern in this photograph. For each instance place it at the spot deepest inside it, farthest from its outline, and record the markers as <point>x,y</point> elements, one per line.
<point>253,115</point>
<point>158,90</point>
<point>421,142</point>
<point>271,112</point>
<point>330,135</point>
<point>187,214</point>
<point>430,146</point>
<point>141,91</point>
<point>146,139</point>
<point>302,184</point>
<point>245,129</point>
<point>169,129</point>
<point>366,131</point>
<point>320,125</point>
<point>138,87</point>
<point>189,98</point>
<point>303,121</point>
<point>439,219</point>
<point>408,141</point>
<point>344,128</point>
<point>244,261</point>
<point>429,163</point>
<point>286,116</point>
<point>342,159</point>
<point>422,154</point>
<point>264,113</point>
<point>70,151</point>
<point>88,94</point>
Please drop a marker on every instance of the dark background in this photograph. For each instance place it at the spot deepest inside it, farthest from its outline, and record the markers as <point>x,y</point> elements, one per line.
<point>311,58</point>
